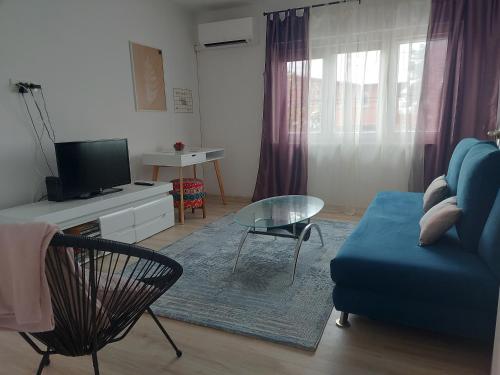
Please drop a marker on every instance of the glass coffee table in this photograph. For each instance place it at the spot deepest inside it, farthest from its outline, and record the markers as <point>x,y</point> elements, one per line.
<point>286,216</point>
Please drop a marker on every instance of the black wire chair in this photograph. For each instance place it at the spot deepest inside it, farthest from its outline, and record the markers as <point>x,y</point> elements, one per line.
<point>99,290</point>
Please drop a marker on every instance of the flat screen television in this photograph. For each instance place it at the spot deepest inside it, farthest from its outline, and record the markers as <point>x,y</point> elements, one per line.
<point>93,167</point>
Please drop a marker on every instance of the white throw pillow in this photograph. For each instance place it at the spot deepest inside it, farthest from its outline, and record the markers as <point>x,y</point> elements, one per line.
<point>435,193</point>
<point>438,220</point>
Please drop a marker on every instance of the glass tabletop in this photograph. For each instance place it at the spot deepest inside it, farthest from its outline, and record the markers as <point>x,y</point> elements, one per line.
<point>279,211</point>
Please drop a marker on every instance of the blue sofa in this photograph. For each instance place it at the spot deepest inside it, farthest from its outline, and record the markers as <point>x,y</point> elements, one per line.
<point>451,286</point>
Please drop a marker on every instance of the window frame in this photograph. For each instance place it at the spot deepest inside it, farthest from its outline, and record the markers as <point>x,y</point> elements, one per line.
<point>388,50</point>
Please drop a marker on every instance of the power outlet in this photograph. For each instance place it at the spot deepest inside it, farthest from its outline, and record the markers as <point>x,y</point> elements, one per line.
<point>13,85</point>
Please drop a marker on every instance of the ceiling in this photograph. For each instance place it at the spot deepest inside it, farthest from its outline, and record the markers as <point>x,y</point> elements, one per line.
<point>197,5</point>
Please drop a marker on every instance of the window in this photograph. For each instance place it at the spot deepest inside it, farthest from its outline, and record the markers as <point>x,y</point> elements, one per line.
<point>346,93</point>
<point>315,95</point>
<point>410,68</point>
<point>296,105</point>
<point>356,91</point>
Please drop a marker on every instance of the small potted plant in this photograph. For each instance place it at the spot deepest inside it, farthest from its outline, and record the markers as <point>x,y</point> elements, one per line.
<point>179,146</point>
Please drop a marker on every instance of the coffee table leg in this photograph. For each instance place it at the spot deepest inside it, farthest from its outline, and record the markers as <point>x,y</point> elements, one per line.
<point>242,241</point>
<point>306,229</point>
<point>320,234</point>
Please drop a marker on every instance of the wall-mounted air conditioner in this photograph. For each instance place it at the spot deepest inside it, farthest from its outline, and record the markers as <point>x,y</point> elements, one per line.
<point>230,33</point>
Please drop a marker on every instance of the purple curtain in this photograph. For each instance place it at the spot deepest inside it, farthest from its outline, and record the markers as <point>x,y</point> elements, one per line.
<point>283,153</point>
<point>461,78</point>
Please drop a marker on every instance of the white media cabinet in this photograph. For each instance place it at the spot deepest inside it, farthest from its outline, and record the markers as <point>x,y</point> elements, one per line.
<point>128,216</point>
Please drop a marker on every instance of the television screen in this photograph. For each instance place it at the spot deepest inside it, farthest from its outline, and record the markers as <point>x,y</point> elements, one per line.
<point>92,166</point>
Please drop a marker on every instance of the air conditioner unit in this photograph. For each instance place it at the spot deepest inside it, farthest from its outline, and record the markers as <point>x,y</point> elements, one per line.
<point>230,33</point>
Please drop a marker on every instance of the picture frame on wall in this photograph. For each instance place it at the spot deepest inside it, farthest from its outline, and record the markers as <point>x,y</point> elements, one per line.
<point>148,78</point>
<point>183,100</point>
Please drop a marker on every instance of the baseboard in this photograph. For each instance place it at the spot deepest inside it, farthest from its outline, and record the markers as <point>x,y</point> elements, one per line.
<point>229,198</point>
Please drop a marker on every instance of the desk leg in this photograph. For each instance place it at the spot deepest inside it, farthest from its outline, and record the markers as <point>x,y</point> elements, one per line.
<point>156,172</point>
<point>181,203</point>
<point>219,179</point>
<point>194,176</point>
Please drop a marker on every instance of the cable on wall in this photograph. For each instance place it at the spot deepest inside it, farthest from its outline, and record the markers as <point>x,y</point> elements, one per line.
<point>50,131</point>
<point>31,88</point>
<point>47,113</point>
<point>38,136</point>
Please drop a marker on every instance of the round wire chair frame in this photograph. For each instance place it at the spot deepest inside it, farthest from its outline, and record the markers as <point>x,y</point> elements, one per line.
<point>98,301</point>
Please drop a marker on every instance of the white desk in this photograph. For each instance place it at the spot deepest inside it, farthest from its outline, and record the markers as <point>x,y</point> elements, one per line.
<point>187,157</point>
<point>79,211</point>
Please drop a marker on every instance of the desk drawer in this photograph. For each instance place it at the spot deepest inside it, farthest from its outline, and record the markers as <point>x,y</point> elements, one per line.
<point>153,210</point>
<point>193,158</point>
<point>116,221</point>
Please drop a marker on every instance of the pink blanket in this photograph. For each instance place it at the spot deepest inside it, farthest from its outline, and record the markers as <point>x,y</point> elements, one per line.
<point>25,304</point>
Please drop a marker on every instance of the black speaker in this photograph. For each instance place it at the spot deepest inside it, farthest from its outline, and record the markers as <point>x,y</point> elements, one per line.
<point>55,189</point>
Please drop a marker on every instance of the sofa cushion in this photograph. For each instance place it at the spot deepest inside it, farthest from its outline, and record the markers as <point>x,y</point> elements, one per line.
<point>435,193</point>
<point>382,256</point>
<point>489,244</point>
<point>438,220</point>
<point>456,161</point>
<point>478,185</point>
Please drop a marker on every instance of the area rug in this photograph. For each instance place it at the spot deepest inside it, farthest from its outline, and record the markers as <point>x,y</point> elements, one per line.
<point>257,300</point>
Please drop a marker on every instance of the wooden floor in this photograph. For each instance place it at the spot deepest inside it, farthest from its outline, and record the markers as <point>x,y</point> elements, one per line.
<point>367,347</point>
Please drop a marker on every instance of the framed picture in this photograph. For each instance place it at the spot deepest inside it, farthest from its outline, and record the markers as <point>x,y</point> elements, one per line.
<point>183,101</point>
<point>148,77</point>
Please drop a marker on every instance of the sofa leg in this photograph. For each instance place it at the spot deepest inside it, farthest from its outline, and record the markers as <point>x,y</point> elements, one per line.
<point>343,321</point>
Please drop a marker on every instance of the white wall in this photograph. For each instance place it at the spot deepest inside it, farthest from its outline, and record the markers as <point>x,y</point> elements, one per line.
<point>231,98</point>
<point>79,52</point>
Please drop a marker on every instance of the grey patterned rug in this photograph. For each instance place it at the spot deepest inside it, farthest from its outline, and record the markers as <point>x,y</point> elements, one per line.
<point>257,300</point>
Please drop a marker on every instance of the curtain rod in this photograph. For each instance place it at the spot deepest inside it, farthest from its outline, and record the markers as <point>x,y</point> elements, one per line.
<point>315,6</point>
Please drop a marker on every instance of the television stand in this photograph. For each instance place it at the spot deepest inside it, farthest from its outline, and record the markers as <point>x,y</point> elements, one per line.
<point>128,216</point>
<point>99,193</point>
<point>109,191</point>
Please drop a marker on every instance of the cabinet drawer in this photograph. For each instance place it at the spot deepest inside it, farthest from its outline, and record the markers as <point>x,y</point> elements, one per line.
<point>153,210</point>
<point>116,221</point>
<point>193,158</point>
<point>126,236</point>
<point>152,227</point>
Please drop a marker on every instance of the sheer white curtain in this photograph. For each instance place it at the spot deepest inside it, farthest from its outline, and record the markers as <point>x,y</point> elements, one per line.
<point>366,69</point>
